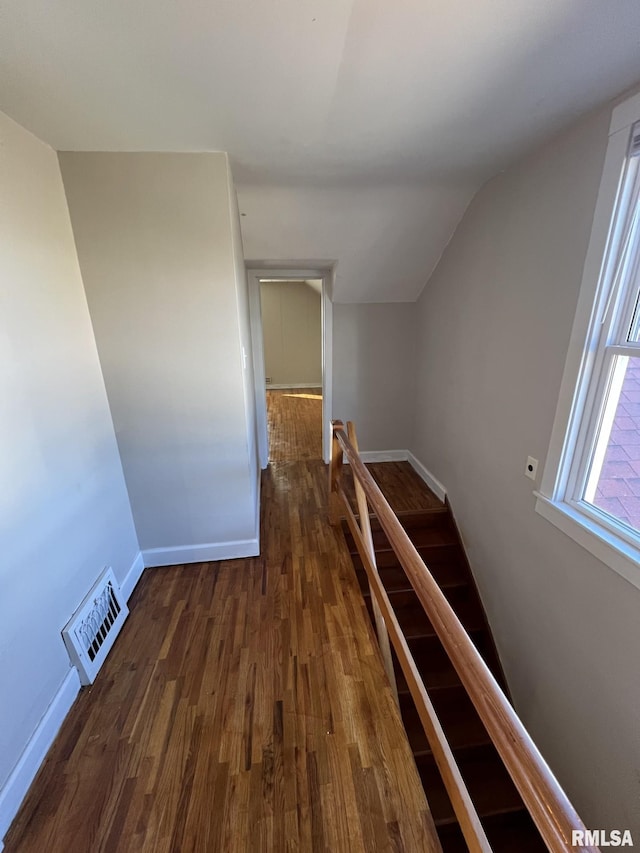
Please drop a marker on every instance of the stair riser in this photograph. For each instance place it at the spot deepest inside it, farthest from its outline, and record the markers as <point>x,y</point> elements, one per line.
<point>445,572</point>
<point>435,667</point>
<point>510,833</point>
<point>414,621</point>
<point>427,537</point>
<point>491,789</point>
<point>416,520</point>
<point>458,718</point>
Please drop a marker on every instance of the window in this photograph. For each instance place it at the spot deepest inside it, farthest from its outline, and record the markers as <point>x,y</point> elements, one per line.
<point>591,483</point>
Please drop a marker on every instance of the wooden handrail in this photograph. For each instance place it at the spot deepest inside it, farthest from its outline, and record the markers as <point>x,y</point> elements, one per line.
<point>548,805</point>
<point>456,789</point>
<point>364,540</point>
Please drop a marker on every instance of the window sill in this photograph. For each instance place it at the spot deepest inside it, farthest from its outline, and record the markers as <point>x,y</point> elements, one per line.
<point>610,549</point>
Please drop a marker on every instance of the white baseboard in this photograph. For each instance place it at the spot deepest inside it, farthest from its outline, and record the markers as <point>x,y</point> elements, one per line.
<point>132,578</point>
<point>434,484</point>
<point>258,499</point>
<point>381,456</point>
<point>405,456</point>
<point>208,551</point>
<point>23,774</point>
<point>297,385</point>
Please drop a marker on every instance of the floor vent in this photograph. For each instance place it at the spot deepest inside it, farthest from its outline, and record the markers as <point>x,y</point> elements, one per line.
<point>93,628</point>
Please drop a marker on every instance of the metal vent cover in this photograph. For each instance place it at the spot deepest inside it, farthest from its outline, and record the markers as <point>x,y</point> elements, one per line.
<point>93,628</point>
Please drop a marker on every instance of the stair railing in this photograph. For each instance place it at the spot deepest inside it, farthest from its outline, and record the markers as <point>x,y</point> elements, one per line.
<point>548,805</point>
<point>365,532</point>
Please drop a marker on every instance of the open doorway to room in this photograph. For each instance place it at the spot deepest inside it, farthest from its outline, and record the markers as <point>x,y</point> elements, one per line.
<point>291,322</point>
<point>292,340</point>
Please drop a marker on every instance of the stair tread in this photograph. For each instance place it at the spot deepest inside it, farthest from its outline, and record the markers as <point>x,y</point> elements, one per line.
<point>489,784</point>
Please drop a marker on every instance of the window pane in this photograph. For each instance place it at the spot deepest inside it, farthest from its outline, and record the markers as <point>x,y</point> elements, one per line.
<point>613,484</point>
<point>634,330</point>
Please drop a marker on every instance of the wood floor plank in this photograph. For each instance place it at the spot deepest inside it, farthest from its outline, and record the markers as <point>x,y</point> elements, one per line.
<point>402,487</point>
<point>294,418</point>
<point>244,706</point>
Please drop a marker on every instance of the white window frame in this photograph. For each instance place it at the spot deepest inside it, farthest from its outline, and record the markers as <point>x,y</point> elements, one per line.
<point>592,343</point>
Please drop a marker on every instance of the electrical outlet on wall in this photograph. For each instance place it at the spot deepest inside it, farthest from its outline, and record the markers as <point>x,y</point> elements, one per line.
<point>531,468</point>
<point>268,380</point>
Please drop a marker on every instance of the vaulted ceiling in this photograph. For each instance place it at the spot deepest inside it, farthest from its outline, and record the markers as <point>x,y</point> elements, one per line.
<point>358,130</point>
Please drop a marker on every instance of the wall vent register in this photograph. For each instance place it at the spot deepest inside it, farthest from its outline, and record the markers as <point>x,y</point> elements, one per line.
<point>93,628</point>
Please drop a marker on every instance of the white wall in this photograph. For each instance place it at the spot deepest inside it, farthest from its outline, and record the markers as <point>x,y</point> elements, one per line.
<point>374,371</point>
<point>246,345</point>
<point>292,332</point>
<point>494,327</point>
<point>161,266</point>
<point>64,508</point>
<point>375,233</point>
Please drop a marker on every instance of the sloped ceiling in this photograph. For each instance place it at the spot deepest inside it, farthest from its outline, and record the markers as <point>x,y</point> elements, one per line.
<point>358,130</point>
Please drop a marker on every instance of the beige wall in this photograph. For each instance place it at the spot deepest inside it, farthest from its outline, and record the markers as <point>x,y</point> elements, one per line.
<point>65,510</point>
<point>166,289</point>
<point>292,332</point>
<point>494,326</point>
<point>374,371</point>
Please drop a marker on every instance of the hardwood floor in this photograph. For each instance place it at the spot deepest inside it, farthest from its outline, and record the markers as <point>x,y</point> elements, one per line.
<point>294,418</point>
<point>400,484</point>
<point>244,706</point>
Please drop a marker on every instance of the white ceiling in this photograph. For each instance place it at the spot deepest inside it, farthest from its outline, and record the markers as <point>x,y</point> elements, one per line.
<point>355,103</point>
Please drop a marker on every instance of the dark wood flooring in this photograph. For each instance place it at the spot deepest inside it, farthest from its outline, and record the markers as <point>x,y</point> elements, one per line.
<point>294,418</point>
<point>244,707</point>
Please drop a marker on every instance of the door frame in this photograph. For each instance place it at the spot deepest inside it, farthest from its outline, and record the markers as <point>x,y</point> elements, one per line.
<point>297,273</point>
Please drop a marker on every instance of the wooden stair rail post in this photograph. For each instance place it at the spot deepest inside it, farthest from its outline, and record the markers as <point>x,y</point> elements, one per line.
<point>548,805</point>
<point>365,527</point>
<point>335,473</point>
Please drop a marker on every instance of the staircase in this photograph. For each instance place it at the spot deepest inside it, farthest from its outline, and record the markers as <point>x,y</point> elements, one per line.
<point>502,812</point>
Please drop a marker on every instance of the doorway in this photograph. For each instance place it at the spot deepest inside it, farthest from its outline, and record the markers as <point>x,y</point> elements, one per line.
<point>291,337</point>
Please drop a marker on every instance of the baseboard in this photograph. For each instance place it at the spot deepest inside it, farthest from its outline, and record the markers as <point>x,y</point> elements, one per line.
<point>405,456</point>
<point>19,782</point>
<point>258,499</point>
<point>23,774</point>
<point>204,553</point>
<point>434,484</point>
<point>290,387</point>
<point>381,456</point>
<point>132,578</point>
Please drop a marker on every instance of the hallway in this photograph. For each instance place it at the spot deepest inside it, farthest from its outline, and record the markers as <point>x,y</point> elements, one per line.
<point>244,706</point>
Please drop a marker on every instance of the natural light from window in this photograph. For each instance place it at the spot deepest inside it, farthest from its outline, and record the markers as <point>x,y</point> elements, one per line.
<point>591,482</point>
<point>614,478</point>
